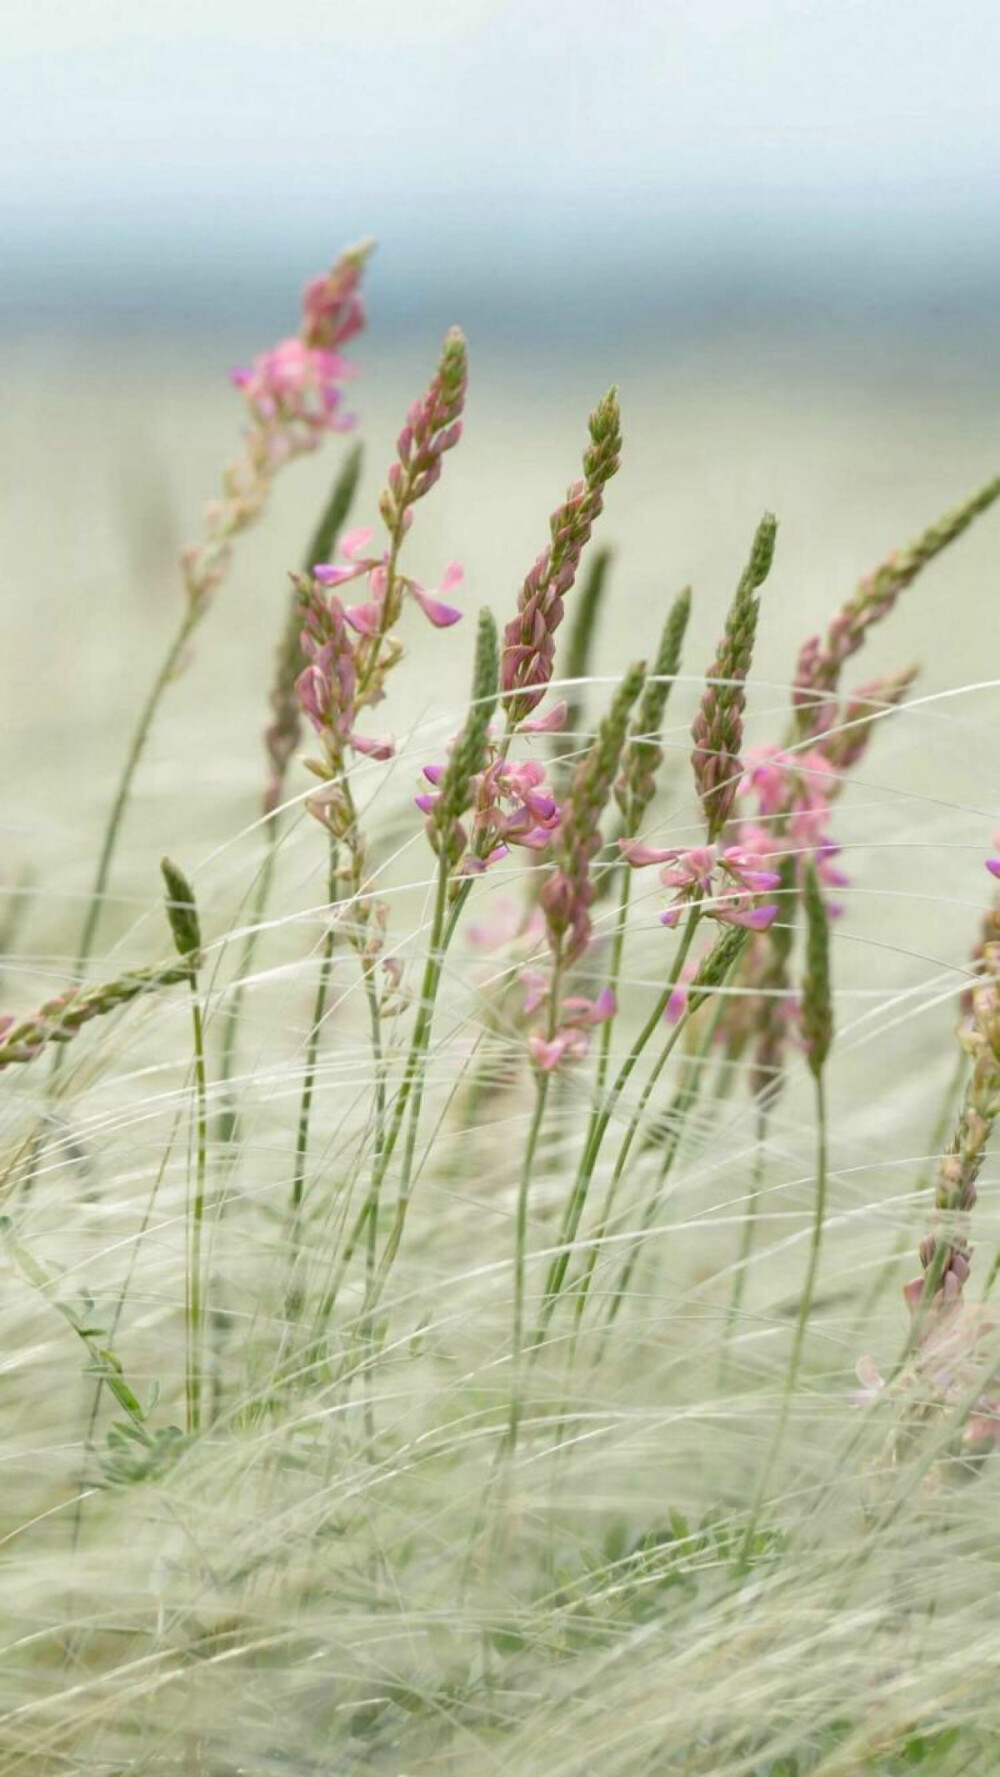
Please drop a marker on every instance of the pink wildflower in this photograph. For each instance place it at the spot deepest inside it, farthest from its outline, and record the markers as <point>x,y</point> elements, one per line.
<point>293,391</point>
<point>577,1015</point>
<point>512,805</point>
<point>327,692</point>
<point>724,879</point>
<point>794,790</point>
<point>370,619</point>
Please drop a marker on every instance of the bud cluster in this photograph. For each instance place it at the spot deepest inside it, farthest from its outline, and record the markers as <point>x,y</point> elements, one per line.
<point>529,638</point>
<point>822,658</point>
<point>717,730</point>
<point>568,895</point>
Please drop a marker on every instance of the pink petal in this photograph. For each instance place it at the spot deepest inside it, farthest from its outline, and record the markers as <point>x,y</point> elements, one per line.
<point>453,576</point>
<point>375,749</point>
<point>579,1011</point>
<point>366,619</point>
<point>566,1045</point>
<point>442,616</point>
<point>605,1005</point>
<point>638,855</point>
<point>535,840</point>
<point>426,802</point>
<point>993,866</point>
<point>333,574</point>
<point>433,773</point>
<point>535,988</point>
<point>551,723</point>
<point>352,542</point>
<point>756,918</point>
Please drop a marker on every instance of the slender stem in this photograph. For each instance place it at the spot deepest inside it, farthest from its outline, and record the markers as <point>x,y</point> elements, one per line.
<point>196,1217</point>
<point>379,1141</point>
<point>371,1250</point>
<point>749,1230</point>
<point>440,934</point>
<point>599,1121</point>
<point>312,1048</point>
<point>262,892</point>
<point>542,1083</point>
<point>292,1301</point>
<point>614,974</point>
<point>802,1319</point>
<point>583,1286</point>
<point>120,804</point>
<point>412,1088</point>
<point>678,1111</point>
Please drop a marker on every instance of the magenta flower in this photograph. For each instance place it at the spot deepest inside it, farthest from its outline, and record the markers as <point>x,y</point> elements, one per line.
<point>743,866</point>
<point>577,1016</point>
<point>724,879</point>
<point>566,1045</point>
<point>294,392</point>
<point>327,692</point>
<point>369,619</point>
<point>795,790</point>
<point>553,722</point>
<point>993,866</point>
<point>512,805</point>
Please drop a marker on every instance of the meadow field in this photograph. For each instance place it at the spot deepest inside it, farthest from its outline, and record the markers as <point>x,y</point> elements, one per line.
<point>442,1331</point>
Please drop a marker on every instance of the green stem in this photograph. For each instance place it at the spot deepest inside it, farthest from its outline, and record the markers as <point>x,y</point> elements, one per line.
<point>196,1217</point>
<point>583,1286</point>
<point>412,1089</point>
<point>678,1111</point>
<point>371,1251</point>
<point>614,974</point>
<point>801,1322</point>
<point>262,892</point>
<point>749,1230</point>
<point>599,1122</point>
<point>308,1090</point>
<point>542,1083</point>
<point>412,1073</point>
<point>120,804</point>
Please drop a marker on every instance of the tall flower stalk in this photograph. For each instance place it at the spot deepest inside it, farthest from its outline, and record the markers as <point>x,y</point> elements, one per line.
<point>185,927</point>
<point>283,736</point>
<point>817,1036</point>
<point>636,786</point>
<point>293,399</point>
<point>712,973</point>
<point>566,901</point>
<point>822,658</point>
<point>349,651</point>
<point>508,805</point>
<point>445,817</point>
<point>717,734</point>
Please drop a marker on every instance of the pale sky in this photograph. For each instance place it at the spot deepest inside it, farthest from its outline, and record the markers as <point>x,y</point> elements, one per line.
<point>129,122</point>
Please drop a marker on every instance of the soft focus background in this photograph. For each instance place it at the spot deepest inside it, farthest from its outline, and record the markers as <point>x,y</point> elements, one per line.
<point>769,222</point>
<point>773,224</point>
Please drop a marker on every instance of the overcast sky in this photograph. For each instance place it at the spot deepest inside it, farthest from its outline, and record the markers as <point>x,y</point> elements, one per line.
<point>259,125</point>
